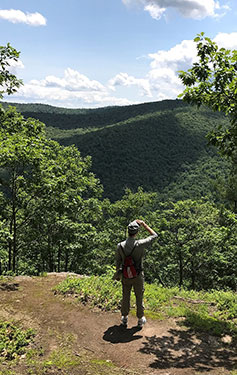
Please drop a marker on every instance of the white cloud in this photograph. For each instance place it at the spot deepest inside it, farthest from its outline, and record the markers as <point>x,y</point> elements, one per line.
<point>163,76</point>
<point>15,65</point>
<point>228,41</point>
<point>155,11</point>
<point>164,83</point>
<point>17,16</point>
<point>72,90</point>
<point>161,80</point>
<point>123,79</point>
<point>176,58</point>
<point>196,9</point>
<point>72,81</point>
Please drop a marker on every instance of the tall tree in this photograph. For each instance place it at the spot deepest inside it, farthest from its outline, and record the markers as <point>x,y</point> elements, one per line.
<point>193,249</point>
<point>212,81</point>
<point>9,83</point>
<point>66,210</point>
<point>20,142</point>
<point>48,192</point>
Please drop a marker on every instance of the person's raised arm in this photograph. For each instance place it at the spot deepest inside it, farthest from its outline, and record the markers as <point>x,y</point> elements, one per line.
<point>148,229</point>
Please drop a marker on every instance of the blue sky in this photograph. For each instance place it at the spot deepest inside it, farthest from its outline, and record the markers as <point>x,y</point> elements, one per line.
<point>96,53</point>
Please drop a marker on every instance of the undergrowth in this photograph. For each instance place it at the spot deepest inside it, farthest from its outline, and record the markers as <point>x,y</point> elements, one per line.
<point>13,340</point>
<point>100,291</point>
<point>214,311</point>
<point>67,358</point>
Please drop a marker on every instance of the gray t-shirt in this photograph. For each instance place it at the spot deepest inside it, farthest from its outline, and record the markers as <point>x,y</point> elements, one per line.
<point>138,253</point>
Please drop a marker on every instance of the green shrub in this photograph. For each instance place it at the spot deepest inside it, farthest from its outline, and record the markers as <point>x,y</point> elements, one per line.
<point>213,312</point>
<point>13,340</point>
<point>100,291</point>
<point>226,303</point>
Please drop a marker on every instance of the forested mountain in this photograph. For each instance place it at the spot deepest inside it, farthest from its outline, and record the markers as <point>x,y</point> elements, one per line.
<point>154,164</point>
<point>53,215</point>
<point>160,146</point>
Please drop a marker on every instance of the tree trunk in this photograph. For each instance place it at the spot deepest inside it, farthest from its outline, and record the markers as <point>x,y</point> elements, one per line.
<point>193,274</point>
<point>14,253</point>
<point>59,256</point>
<point>10,248</point>
<point>50,256</point>
<point>66,260</point>
<point>180,268</point>
<point>12,242</point>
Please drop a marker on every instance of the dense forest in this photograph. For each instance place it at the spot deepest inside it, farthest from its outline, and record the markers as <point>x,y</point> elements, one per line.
<point>72,180</point>
<point>160,146</point>
<point>56,214</point>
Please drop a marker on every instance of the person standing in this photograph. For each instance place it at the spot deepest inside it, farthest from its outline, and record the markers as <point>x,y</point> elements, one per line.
<point>136,249</point>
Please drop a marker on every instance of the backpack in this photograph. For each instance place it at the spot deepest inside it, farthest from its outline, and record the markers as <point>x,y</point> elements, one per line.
<point>129,270</point>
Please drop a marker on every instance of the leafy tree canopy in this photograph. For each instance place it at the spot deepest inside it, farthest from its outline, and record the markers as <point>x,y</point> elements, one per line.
<point>45,191</point>
<point>212,81</point>
<point>9,83</point>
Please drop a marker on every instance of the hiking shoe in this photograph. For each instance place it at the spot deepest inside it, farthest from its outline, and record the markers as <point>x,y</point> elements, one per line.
<point>124,320</point>
<point>141,322</point>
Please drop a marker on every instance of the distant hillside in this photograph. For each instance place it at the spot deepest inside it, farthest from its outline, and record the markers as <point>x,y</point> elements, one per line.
<point>65,118</point>
<point>160,146</point>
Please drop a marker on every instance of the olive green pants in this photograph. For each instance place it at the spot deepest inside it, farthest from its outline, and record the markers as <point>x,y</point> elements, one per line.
<point>138,286</point>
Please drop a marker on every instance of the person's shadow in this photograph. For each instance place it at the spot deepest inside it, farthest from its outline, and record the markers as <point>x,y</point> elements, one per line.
<point>120,334</point>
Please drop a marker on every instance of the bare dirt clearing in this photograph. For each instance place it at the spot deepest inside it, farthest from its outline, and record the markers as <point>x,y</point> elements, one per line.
<point>97,339</point>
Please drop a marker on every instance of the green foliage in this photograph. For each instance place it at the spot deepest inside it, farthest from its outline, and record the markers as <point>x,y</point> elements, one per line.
<point>49,198</point>
<point>99,291</point>
<point>8,81</point>
<point>212,82</point>
<point>61,359</point>
<point>203,322</point>
<point>146,150</point>
<point>65,118</point>
<point>13,340</point>
<point>159,146</point>
<point>52,217</point>
<point>110,228</point>
<point>195,246</point>
<point>226,303</point>
<point>64,359</point>
<point>213,312</point>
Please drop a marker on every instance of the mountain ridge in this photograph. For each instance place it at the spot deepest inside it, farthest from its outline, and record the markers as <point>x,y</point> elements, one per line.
<point>160,146</point>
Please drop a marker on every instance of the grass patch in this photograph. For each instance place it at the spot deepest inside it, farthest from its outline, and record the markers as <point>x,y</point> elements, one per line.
<point>67,359</point>
<point>214,312</point>
<point>204,322</point>
<point>13,340</point>
<point>102,362</point>
<point>100,291</point>
<point>43,274</point>
<point>61,359</point>
<point>4,279</point>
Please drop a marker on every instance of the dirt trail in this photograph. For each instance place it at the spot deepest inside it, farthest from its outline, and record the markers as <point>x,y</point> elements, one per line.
<point>164,348</point>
